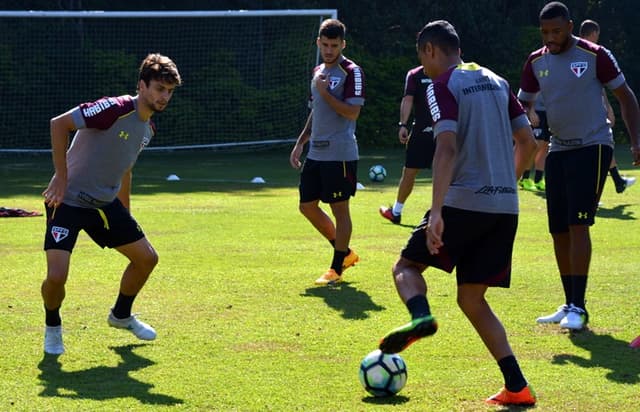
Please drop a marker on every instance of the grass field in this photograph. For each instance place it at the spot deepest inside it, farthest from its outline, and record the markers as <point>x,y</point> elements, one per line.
<point>241,326</point>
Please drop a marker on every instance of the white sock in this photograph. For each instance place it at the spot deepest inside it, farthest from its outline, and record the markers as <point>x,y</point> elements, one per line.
<point>397,208</point>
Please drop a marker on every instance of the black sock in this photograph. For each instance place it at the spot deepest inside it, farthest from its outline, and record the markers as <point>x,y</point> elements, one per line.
<point>615,175</point>
<point>579,290</point>
<point>333,242</point>
<point>525,175</point>
<point>514,381</point>
<point>52,317</point>
<point>338,260</point>
<point>567,282</point>
<point>538,176</point>
<point>418,306</point>
<point>122,308</point>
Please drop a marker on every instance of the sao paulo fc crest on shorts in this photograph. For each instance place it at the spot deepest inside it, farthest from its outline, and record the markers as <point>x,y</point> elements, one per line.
<point>578,68</point>
<point>59,233</point>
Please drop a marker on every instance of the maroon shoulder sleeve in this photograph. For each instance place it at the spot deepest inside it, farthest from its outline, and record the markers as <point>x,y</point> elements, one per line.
<point>104,112</point>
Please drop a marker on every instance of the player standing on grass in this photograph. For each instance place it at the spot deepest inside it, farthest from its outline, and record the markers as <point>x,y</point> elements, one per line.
<point>474,214</point>
<point>538,118</point>
<point>329,173</point>
<point>570,72</point>
<point>90,191</point>
<point>420,143</point>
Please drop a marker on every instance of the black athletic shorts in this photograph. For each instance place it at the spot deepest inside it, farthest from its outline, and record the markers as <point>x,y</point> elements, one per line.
<point>542,132</point>
<point>479,245</point>
<point>328,181</point>
<point>111,225</point>
<point>574,182</point>
<point>419,150</point>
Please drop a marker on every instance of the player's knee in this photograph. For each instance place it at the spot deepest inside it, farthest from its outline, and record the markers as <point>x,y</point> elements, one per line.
<point>308,209</point>
<point>152,259</point>
<point>148,260</point>
<point>403,266</point>
<point>469,302</point>
<point>56,278</point>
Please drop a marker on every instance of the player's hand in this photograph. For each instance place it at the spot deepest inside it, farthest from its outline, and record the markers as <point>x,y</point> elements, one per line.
<point>294,157</point>
<point>54,193</point>
<point>434,230</point>
<point>403,135</point>
<point>321,81</point>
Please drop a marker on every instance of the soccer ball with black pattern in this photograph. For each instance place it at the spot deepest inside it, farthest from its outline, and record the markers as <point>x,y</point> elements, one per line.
<point>383,374</point>
<point>377,173</point>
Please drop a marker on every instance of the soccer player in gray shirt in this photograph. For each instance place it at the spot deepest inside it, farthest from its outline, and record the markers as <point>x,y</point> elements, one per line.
<point>570,74</point>
<point>329,173</point>
<point>473,219</point>
<point>90,191</point>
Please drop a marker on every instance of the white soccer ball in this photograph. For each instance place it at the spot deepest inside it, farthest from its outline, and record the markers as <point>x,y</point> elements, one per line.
<point>383,374</point>
<point>377,173</point>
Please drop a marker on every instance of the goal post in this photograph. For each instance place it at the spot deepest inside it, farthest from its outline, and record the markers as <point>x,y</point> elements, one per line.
<point>245,73</point>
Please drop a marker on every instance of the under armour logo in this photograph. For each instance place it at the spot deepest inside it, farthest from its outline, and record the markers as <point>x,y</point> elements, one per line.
<point>123,135</point>
<point>543,73</point>
<point>337,195</point>
<point>583,215</point>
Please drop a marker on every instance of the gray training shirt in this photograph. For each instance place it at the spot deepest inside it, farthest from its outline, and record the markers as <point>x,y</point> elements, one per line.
<point>479,107</point>
<point>109,138</point>
<point>332,135</point>
<point>571,85</point>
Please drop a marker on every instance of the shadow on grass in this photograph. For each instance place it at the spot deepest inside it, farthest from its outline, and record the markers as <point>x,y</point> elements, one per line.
<point>101,382</point>
<point>408,226</point>
<point>616,212</point>
<point>514,408</point>
<point>608,353</point>
<point>387,400</point>
<point>343,297</point>
<point>540,193</point>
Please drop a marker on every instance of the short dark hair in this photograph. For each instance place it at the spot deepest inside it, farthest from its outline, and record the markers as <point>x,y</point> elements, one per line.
<point>439,33</point>
<point>158,67</point>
<point>589,27</point>
<point>332,29</point>
<point>553,10</point>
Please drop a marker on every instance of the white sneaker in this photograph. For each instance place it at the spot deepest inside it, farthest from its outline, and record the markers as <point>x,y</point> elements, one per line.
<point>625,183</point>
<point>576,318</point>
<point>555,317</point>
<point>630,181</point>
<point>53,340</point>
<point>138,328</point>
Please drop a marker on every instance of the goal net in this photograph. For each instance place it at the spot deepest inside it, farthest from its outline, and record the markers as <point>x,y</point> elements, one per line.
<point>245,73</point>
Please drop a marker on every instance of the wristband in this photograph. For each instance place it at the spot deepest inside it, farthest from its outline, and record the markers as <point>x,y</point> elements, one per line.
<point>400,124</point>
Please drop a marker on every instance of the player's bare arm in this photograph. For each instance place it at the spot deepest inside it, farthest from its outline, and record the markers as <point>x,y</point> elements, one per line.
<point>631,116</point>
<point>125,189</point>
<point>303,138</point>
<point>60,127</point>
<point>529,107</point>
<point>405,111</point>
<point>443,162</point>
<point>525,148</point>
<point>610,114</point>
